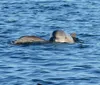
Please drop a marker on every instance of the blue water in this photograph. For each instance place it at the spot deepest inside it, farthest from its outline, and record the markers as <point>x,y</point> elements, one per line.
<point>50,64</point>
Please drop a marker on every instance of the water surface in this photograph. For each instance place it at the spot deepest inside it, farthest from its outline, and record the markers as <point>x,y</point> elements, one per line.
<point>50,64</point>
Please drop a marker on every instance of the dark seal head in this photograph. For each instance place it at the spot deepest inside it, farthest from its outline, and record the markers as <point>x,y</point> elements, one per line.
<point>61,36</point>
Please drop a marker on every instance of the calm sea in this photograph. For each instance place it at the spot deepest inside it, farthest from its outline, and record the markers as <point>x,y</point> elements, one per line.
<point>53,63</point>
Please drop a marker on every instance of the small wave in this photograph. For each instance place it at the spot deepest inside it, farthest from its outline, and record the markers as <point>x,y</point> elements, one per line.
<point>82,67</point>
<point>88,35</point>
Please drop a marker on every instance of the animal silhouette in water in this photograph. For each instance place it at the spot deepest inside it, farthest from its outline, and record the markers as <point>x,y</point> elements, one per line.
<point>57,36</point>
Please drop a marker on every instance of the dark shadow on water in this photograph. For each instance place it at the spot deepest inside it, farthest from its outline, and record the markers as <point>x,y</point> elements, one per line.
<point>82,45</point>
<point>79,44</point>
<point>42,82</point>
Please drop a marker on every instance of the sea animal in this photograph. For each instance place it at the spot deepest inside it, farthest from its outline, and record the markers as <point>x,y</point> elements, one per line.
<point>57,36</point>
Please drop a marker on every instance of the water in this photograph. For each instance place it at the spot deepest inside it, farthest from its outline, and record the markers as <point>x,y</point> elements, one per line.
<point>50,64</point>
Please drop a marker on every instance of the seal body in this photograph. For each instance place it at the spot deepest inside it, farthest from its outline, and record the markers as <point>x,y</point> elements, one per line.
<point>57,36</point>
<point>61,36</point>
<point>28,39</point>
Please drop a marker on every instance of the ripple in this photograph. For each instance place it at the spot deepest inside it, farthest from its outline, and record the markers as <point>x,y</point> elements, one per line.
<point>82,67</point>
<point>89,35</point>
<point>43,81</point>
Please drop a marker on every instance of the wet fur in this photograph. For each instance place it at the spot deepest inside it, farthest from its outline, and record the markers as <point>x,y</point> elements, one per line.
<point>28,39</point>
<point>57,36</point>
